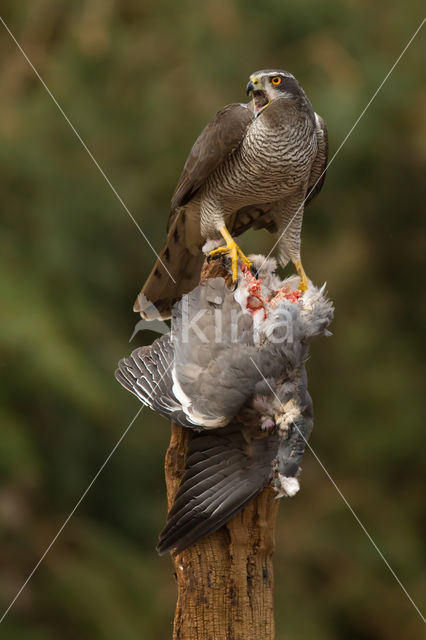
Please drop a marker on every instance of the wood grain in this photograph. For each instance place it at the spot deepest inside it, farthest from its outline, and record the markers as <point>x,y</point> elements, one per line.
<point>225,582</point>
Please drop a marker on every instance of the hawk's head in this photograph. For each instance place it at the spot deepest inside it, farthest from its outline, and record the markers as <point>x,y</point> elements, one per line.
<point>272,84</point>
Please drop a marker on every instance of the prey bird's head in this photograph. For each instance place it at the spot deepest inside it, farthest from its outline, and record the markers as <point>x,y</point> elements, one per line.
<point>272,84</point>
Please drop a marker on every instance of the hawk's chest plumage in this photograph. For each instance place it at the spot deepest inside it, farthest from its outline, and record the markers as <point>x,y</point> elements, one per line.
<point>274,158</point>
<point>280,149</point>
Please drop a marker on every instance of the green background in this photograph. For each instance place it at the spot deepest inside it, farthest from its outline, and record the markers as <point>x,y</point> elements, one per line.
<point>139,80</point>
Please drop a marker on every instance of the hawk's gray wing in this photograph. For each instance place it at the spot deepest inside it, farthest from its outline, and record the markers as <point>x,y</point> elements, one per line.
<point>224,470</point>
<point>318,170</point>
<point>181,257</point>
<point>217,140</point>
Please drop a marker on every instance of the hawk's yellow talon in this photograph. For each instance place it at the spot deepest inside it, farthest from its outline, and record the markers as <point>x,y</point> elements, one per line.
<point>303,277</point>
<point>234,252</point>
<point>218,251</point>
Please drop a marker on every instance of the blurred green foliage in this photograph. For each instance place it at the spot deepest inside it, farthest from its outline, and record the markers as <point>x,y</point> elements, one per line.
<point>139,80</point>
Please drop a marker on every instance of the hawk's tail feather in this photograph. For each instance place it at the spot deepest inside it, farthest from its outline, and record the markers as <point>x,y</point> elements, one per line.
<point>177,269</point>
<point>176,272</point>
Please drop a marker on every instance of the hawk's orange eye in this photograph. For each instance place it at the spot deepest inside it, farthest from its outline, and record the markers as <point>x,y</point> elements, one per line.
<point>276,80</point>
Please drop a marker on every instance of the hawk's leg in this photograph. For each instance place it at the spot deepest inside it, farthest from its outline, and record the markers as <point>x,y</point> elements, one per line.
<point>233,250</point>
<point>289,243</point>
<point>303,277</point>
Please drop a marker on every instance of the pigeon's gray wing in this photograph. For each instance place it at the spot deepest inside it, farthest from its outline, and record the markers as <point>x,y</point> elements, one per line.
<point>213,342</point>
<point>319,166</point>
<point>147,373</point>
<point>218,140</point>
<point>204,373</point>
<point>225,469</point>
<point>217,364</point>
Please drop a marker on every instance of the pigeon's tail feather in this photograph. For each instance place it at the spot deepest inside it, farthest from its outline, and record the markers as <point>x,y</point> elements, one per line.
<point>224,471</point>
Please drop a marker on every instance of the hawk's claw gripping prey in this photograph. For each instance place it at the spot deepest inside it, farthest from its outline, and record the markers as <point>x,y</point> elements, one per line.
<point>234,252</point>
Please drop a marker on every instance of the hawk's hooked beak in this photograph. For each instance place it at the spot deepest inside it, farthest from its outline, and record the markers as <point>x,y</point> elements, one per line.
<point>253,85</point>
<point>250,87</point>
<point>260,99</point>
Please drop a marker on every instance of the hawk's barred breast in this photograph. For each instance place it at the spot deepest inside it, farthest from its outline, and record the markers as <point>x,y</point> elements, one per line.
<point>274,159</point>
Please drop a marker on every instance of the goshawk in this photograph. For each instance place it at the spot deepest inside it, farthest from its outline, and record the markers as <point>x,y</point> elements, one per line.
<point>254,165</point>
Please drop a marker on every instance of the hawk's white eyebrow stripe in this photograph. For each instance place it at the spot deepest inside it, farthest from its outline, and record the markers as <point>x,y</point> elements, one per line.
<point>349,133</point>
<point>346,502</point>
<point>92,157</point>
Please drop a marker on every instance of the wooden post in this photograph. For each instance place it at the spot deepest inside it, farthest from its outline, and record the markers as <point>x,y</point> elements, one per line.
<point>224,582</point>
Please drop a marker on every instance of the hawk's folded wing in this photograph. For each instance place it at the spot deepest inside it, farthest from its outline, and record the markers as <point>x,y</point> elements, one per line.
<point>217,140</point>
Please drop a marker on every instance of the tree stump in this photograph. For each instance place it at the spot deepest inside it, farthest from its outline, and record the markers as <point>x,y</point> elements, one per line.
<point>225,582</point>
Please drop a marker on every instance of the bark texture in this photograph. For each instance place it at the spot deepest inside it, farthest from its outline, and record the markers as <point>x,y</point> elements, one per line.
<point>225,581</point>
